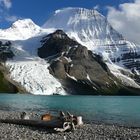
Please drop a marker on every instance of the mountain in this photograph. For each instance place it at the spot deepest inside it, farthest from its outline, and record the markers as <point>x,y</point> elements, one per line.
<point>92,30</point>
<point>26,69</point>
<point>77,68</point>
<point>20,30</point>
<point>87,54</point>
<point>88,27</point>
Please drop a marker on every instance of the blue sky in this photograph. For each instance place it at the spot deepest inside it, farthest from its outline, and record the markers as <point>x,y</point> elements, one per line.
<point>40,10</point>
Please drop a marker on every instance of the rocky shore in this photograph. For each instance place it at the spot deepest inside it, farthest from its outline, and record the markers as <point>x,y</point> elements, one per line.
<point>86,132</point>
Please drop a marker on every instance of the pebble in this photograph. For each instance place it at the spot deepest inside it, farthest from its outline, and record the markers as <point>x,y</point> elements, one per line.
<point>86,132</point>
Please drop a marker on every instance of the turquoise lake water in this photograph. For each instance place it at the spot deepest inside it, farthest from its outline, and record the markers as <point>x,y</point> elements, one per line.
<point>122,110</point>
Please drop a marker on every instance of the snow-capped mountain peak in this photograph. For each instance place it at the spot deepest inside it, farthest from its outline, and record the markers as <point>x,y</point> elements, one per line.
<point>87,26</point>
<point>79,11</point>
<point>20,30</point>
<point>69,17</point>
<point>24,23</point>
<point>91,29</point>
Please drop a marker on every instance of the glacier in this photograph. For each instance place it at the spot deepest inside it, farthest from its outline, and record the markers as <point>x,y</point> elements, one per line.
<point>26,68</point>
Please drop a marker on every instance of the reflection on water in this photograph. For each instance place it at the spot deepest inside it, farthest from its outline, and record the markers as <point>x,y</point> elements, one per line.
<point>107,109</point>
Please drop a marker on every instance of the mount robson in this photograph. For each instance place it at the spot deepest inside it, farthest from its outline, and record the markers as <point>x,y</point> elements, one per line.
<point>76,52</point>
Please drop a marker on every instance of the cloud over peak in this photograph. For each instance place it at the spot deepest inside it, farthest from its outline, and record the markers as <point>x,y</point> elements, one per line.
<point>5,15</point>
<point>126,20</point>
<point>6,3</point>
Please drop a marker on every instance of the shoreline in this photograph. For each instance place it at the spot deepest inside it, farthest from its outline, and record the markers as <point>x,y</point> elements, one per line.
<point>92,131</point>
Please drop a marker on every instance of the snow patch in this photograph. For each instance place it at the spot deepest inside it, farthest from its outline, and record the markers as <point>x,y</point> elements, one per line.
<point>126,80</point>
<point>72,77</point>
<point>89,78</point>
<point>68,59</point>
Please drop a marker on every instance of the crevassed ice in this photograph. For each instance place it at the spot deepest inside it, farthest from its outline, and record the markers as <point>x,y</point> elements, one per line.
<point>34,76</point>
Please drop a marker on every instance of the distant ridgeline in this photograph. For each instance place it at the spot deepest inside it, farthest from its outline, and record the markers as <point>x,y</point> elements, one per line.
<point>5,53</point>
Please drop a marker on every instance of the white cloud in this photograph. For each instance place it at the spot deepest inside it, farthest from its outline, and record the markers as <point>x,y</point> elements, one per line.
<point>11,18</point>
<point>126,20</point>
<point>97,7</point>
<point>6,3</point>
<point>5,15</point>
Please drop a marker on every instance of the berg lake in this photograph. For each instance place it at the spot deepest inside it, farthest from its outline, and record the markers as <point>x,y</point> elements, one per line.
<point>121,110</point>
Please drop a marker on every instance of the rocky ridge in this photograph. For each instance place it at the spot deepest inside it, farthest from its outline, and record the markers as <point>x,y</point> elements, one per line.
<point>77,68</point>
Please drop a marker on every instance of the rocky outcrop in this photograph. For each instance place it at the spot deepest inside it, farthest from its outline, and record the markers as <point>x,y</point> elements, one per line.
<point>5,51</point>
<point>78,69</point>
<point>60,42</point>
<point>6,84</point>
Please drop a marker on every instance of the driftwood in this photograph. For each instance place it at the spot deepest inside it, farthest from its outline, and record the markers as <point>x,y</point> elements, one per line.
<point>60,123</point>
<point>36,123</point>
<point>67,126</point>
<point>70,122</point>
<point>47,117</point>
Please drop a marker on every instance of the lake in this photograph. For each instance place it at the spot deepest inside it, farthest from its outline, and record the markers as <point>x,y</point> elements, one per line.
<point>122,110</point>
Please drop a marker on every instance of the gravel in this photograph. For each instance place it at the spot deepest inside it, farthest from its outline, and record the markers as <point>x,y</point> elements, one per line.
<point>85,132</point>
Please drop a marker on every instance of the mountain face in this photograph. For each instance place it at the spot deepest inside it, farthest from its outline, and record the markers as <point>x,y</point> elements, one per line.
<point>92,30</point>
<point>88,27</point>
<point>78,69</point>
<point>86,55</point>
